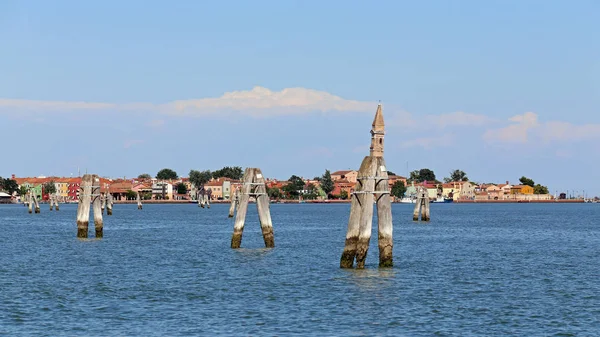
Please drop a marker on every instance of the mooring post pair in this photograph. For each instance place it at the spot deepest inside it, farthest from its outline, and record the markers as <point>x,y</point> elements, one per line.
<point>89,193</point>
<point>204,196</point>
<point>107,202</point>
<point>372,185</point>
<point>32,202</point>
<point>53,200</point>
<point>253,185</point>
<point>422,205</point>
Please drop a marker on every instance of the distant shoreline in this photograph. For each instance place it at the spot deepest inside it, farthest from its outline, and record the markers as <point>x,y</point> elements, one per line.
<point>562,201</point>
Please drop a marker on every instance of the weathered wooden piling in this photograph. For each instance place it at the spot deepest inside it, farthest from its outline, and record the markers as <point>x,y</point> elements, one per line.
<point>422,205</point>
<point>109,204</point>
<point>253,185</point>
<point>372,183</point>
<point>139,201</point>
<point>103,198</point>
<point>384,216</point>
<point>234,199</point>
<point>97,207</point>
<point>360,222</point>
<point>83,209</point>
<point>30,202</point>
<point>53,201</point>
<point>36,204</point>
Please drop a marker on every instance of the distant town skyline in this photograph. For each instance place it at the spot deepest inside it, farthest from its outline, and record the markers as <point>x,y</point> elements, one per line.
<point>496,89</point>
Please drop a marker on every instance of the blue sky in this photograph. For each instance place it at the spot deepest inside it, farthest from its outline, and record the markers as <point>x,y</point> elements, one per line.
<point>499,89</point>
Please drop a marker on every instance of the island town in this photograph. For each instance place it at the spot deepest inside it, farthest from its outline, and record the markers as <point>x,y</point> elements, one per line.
<point>338,186</point>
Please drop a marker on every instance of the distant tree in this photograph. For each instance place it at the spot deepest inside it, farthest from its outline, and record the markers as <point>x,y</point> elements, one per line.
<point>23,190</point>
<point>198,178</point>
<point>166,174</point>
<point>181,188</point>
<point>457,175</point>
<point>131,195</point>
<point>398,189</point>
<point>526,181</point>
<point>318,179</point>
<point>327,182</point>
<point>274,193</point>
<point>344,195</point>
<point>235,173</point>
<point>144,176</point>
<point>9,185</point>
<point>539,189</point>
<point>295,185</point>
<point>49,188</point>
<point>421,175</point>
<point>390,173</point>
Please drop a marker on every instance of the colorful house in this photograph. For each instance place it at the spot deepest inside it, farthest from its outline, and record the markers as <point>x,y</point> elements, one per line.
<point>349,175</point>
<point>521,189</point>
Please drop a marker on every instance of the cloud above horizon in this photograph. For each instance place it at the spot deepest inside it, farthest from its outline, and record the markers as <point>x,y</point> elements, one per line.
<point>527,127</point>
<point>258,102</point>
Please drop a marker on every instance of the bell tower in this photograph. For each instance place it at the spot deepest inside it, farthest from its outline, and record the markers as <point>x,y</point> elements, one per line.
<point>377,132</point>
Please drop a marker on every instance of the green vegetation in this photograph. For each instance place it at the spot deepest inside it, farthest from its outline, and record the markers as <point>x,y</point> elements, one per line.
<point>181,188</point>
<point>294,187</point>
<point>235,173</point>
<point>8,185</point>
<point>421,175</point>
<point>144,176</point>
<point>49,188</point>
<point>327,182</point>
<point>130,195</point>
<point>539,189</point>
<point>526,181</point>
<point>398,189</point>
<point>166,174</point>
<point>456,175</point>
<point>198,178</point>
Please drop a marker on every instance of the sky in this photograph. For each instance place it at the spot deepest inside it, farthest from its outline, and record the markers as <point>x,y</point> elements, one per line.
<point>498,89</point>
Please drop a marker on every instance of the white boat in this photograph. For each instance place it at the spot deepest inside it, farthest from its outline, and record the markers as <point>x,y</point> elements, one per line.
<point>408,200</point>
<point>441,199</point>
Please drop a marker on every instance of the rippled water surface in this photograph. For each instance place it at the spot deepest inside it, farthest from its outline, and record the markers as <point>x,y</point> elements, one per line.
<point>507,269</point>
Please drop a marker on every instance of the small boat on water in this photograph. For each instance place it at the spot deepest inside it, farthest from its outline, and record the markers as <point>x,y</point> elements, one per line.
<point>443,200</point>
<point>408,200</point>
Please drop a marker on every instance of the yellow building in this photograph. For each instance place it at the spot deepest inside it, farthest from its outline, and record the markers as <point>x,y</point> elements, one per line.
<point>521,189</point>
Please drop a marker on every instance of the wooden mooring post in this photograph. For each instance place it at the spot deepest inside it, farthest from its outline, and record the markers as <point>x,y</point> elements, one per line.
<point>139,201</point>
<point>103,198</point>
<point>235,201</point>
<point>372,187</point>
<point>109,204</point>
<point>422,205</point>
<point>89,192</point>
<point>204,196</point>
<point>53,200</point>
<point>253,186</point>
<point>36,204</point>
<point>29,199</point>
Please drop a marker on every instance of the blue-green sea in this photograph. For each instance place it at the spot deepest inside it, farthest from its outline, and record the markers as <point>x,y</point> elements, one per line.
<point>167,270</point>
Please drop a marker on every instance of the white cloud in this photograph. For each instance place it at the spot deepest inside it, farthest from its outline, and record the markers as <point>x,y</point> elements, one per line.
<point>515,133</point>
<point>527,127</point>
<point>257,102</point>
<point>263,102</point>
